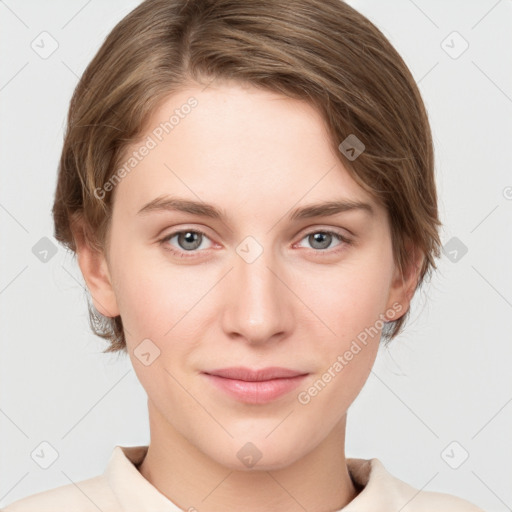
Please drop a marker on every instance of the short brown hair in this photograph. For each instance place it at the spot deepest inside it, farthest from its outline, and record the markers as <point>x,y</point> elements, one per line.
<point>320,51</point>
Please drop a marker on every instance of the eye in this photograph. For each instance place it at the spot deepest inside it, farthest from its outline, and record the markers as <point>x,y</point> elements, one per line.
<point>188,241</point>
<point>191,241</point>
<point>321,240</point>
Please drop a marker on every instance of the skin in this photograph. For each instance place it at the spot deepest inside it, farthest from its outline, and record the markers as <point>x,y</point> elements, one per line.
<point>256,155</point>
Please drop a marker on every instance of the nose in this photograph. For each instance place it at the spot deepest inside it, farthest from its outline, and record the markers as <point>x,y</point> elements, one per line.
<point>258,305</point>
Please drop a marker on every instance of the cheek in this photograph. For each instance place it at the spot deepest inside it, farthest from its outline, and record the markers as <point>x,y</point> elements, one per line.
<point>351,303</point>
<point>350,298</point>
<point>352,311</point>
<point>155,304</point>
<point>160,300</point>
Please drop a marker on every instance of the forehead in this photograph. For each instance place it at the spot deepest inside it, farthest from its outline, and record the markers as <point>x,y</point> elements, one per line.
<point>237,145</point>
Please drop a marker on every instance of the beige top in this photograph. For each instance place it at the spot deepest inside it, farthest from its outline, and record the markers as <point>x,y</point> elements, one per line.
<point>121,488</point>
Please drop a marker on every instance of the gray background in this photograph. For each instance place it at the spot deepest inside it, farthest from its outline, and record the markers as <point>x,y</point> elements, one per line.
<point>436,409</point>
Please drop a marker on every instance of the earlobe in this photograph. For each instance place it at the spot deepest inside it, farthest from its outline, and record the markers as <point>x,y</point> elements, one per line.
<point>95,271</point>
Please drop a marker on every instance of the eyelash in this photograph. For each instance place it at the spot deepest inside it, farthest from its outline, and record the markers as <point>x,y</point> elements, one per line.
<point>183,254</point>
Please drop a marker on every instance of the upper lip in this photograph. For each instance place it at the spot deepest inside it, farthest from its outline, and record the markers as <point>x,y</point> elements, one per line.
<point>247,374</point>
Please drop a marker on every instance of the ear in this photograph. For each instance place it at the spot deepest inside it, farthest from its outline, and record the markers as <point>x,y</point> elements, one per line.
<point>404,283</point>
<point>93,264</point>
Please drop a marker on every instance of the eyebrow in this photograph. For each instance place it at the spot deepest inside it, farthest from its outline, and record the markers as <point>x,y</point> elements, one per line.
<point>323,209</point>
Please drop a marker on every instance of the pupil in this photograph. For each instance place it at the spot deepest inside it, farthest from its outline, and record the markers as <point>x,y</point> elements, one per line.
<point>190,238</point>
<point>321,239</point>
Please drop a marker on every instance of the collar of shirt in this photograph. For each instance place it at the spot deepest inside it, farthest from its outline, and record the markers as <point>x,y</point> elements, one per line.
<point>135,493</point>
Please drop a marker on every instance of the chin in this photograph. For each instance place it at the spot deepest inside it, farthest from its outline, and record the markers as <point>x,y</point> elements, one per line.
<point>257,455</point>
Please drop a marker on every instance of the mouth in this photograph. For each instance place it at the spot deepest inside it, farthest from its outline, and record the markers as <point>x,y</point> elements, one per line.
<point>255,386</point>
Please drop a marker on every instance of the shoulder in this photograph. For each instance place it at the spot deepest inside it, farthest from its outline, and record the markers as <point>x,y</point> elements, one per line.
<point>429,500</point>
<point>417,500</point>
<point>382,489</point>
<point>88,495</point>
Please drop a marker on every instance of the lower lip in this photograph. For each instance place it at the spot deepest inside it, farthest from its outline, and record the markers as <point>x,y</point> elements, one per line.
<point>256,392</point>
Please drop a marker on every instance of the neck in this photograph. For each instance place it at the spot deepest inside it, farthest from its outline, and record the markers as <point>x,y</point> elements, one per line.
<point>319,482</point>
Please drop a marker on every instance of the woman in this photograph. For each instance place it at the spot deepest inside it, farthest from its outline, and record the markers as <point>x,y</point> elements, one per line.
<point>249,189</point>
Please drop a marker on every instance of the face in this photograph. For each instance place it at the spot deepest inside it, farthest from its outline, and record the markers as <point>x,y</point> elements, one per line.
<point>259,286</point>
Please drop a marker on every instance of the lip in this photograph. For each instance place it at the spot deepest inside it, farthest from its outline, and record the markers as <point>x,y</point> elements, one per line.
<point>255,386</point>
